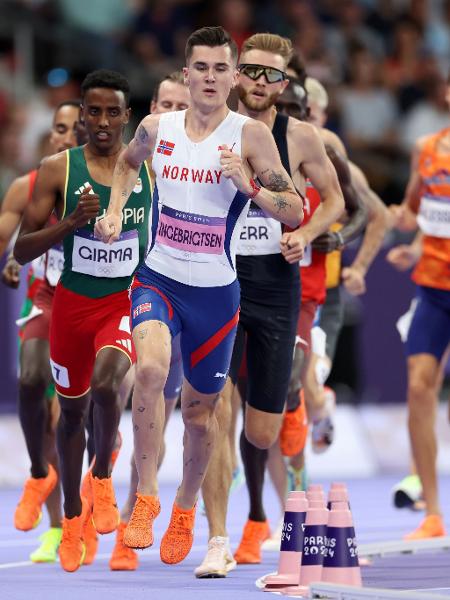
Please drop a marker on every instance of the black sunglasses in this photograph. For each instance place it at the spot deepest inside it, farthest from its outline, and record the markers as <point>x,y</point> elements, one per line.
<point>255,71</point>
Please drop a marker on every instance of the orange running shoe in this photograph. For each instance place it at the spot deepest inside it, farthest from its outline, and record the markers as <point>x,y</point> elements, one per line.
<point>294,429</point>
<point>105,514</point>
<point>90,539</point>
<point>432,526</point>
<point>139,531</point>
<point>253,536</point>
<point>177,541</point>
<point>72,549</point>
<point>36,491</point>
<point>86,489</point>
<point>122,557</point>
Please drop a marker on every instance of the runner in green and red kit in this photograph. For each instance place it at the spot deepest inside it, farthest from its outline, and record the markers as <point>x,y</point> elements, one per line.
<point>90,342</point>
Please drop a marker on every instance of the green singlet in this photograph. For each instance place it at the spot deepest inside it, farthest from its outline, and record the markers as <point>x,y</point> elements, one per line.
<point>92,268</point>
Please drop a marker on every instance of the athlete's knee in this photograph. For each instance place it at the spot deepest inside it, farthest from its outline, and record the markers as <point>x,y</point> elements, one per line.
<point>420,384</point>
<point>151,374</point>
<point>72,420</point>
<point>105,386</point>
<point>32,378</point>
<point>198,419</point>
<point>261,437</point>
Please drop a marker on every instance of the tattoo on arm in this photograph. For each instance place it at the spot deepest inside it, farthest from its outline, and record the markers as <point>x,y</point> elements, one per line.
<point>142,134</point>
<point>143,334</point>
<point>277,182</point>
<point>280,203</point>
<point>141,409</point>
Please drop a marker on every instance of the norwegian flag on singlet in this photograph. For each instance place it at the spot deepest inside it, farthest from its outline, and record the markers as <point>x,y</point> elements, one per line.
<point>165,147</point>
<point>142,308</point>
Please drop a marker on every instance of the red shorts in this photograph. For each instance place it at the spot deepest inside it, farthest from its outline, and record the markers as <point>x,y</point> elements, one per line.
<point>79,329</point>
<point>305,323</point>
<point>38,327</point>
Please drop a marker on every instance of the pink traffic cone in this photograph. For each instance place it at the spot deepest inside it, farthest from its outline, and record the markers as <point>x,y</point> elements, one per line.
<point>341,563</point>
<point>337,495</point>
<point>291,543</point>
<point>315,487</point>
<point>338,485</point>
<point>313,496</point>
<point>314,549</point>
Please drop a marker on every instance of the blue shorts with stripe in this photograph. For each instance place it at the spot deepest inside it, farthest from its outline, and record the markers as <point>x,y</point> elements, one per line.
<point>429,332</point>
<point>206,318</point>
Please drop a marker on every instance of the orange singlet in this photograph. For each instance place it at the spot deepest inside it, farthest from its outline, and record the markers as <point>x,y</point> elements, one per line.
<point>433,268</point>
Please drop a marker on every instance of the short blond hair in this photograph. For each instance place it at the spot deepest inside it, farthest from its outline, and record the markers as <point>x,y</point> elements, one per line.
<point>316,92</point>
<point>269,42</point>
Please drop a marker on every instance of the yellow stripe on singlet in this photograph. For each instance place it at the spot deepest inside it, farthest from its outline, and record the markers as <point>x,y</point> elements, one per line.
<point>333,263</point>
<point>66,184</point>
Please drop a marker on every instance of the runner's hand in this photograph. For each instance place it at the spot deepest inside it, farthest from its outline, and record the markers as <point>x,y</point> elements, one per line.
<point>87,208</point>
<point>233,168</point>
<point>403,257</point>
<point>11,273</point>
<point>293,245</point>
<point>327,242</point>
<point>108,229</point>
<point>353,280</point>
<point>402,217</point>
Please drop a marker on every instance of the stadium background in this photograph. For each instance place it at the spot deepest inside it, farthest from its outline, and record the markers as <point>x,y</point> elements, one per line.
<point>385,64</point>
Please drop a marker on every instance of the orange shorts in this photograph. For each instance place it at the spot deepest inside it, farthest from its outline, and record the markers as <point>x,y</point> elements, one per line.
<point>80,328</point>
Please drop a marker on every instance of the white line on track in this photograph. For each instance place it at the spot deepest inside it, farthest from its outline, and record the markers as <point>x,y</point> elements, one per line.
<point>102,556</point>
<point>14,565</point>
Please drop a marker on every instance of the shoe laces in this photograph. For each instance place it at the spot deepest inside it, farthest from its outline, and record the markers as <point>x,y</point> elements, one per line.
<point>103,492</point>
<point>71,532</point>
<point>181,523</point>
<point>32,486</point>
<point>216,549</point>
<point>144,509</point>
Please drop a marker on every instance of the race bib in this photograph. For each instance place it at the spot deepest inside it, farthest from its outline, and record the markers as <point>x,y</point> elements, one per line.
<point>38,266</point>
<point>191,234</point>
<point>260,234</point>
<point>93,257</point>
<point>55,264</point>
<point>434,217</point>
<point>307,257</point>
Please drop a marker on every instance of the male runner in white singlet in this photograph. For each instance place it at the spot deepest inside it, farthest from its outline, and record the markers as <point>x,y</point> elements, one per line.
<point>203,159</point>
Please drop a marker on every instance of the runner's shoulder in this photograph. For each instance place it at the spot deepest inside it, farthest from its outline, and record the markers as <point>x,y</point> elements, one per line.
<point>332,140</point>
<point>302,132</point>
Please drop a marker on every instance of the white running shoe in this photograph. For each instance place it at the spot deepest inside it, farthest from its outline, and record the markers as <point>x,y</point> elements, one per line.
<point>218,560</point>
<point>322,433</point>
<point>273,543</point>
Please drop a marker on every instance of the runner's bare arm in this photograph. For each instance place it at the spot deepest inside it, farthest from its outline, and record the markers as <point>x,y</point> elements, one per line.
<point>278,198</point>
<point>377,224</point>
<point>412,193</point>
<point>356,210</point>
<point>404,216</point>
<point>12,207</point>
<point>125,176</point>
<point>34,237</point>
<point>318,168</point>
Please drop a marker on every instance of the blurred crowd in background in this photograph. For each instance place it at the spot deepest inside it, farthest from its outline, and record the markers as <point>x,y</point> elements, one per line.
<point>384,62</point>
